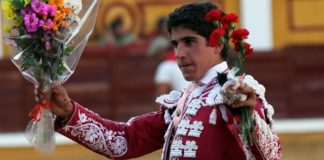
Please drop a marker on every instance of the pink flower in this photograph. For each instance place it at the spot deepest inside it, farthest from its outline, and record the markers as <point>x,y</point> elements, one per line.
<point>41,23</point>
<point>38,6</point>
<point>47,45</point>
<point>44,10</point>
<point>51,10</point>
<point>26,10</point>
<point>31,22</point>
<point>48,10</point>
<point>47,25</point>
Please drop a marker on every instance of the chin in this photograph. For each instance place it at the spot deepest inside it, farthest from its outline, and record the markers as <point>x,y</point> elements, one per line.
<point>189,77</point>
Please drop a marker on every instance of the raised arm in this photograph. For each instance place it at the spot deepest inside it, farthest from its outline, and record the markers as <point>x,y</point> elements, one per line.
<point>139,136</point>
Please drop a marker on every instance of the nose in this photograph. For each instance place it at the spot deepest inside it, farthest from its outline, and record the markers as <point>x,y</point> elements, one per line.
<point>180,52</point>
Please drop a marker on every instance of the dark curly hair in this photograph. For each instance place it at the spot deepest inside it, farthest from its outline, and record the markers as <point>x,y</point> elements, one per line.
<point>191,16</point>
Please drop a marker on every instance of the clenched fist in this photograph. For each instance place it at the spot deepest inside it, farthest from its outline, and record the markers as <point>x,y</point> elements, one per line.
<point>61,104</point>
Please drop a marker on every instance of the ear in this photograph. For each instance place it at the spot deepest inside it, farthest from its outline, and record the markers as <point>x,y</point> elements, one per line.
<point>218,49</point>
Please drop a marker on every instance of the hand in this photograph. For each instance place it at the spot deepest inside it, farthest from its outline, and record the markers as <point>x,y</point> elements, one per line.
<point>60,102</point>
<point>251,100</point>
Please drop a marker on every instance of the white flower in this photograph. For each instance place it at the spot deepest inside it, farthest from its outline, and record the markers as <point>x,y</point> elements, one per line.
<point>195,104</point>
<point>119,146</point>
<point>190,145</point>
<point>91,134</point>
<point>197,125</point>
<point>75,4</point>
<point>83,117</point>
<point>110,134</point>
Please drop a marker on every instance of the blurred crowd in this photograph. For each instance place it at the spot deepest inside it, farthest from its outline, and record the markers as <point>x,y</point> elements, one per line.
<point>156,46</point>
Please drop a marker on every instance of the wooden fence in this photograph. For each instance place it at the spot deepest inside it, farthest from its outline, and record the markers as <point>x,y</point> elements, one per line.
<point>117,83</point>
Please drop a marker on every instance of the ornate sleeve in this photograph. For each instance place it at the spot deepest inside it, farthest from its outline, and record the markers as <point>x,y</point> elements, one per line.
<point>267,139</point>
<point>139,136</point>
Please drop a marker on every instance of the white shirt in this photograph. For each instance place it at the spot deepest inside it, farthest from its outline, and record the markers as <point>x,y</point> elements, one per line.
<point>208,76</point>
<point>169,72</point>
<point>213,72</point>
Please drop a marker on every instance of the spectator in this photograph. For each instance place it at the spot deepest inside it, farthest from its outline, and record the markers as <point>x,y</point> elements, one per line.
<point>117,33</point>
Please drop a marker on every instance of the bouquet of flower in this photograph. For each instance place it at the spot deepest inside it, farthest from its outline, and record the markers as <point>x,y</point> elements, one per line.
<point>46,39</point>
<point>225,30</point>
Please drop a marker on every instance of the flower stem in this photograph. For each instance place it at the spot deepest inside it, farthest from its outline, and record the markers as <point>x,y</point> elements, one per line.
<point>247,126</point>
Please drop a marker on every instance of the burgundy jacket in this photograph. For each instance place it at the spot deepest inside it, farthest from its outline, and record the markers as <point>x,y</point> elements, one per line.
<point>197,136</point>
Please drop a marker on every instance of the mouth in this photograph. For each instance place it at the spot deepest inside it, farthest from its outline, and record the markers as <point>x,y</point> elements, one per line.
<point>185,65</point>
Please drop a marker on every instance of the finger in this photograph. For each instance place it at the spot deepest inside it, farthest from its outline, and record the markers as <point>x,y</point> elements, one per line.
<point>239,105</point>
<point>246,90</point>
<point>251,103</point>
<point>55,85</point>
<point>243,84</point>
<point>60,94</point>
<point>57,89</point>
<point>38,90</point>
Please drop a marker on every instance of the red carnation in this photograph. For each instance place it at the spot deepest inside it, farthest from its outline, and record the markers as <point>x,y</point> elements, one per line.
<point>216,37</point>
<point>239,34</point>
<point>228,19</point>
<point>237,46</point>
<point>248,49</point>
<point>213,15</point>
<point>237,117</point>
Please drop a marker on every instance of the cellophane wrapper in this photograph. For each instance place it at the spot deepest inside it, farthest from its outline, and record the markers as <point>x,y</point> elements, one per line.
<point>46,56</point>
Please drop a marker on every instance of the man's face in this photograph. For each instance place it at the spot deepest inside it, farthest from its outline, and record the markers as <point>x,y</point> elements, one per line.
<point>194,56</point>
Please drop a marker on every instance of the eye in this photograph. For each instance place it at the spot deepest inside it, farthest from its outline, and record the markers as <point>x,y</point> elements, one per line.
<point>189,42</point>
<point>174,44</point>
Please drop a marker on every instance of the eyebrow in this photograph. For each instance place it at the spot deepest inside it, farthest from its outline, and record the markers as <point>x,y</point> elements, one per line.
<point>183,39</point>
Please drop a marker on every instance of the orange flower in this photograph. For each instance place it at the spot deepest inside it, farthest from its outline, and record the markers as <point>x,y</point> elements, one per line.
<point>56,3</point>
<point>61,14</point>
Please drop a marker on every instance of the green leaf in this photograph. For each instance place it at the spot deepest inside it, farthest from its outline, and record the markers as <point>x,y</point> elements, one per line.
<point>28,60</point>
<point>23,43</point>
<point>60,69</point>
<point>19,4</point>
<point>247,126</point>
<point>232,27</point>
<point>68,51</point>
<point>26,2</point>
